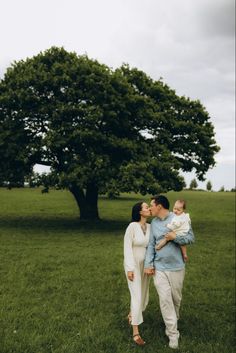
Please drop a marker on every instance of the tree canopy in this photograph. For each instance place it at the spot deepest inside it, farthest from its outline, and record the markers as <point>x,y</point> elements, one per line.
<point>100,130</point>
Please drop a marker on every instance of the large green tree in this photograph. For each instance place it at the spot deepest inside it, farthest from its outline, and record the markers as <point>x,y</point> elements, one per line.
<point>100,130</point>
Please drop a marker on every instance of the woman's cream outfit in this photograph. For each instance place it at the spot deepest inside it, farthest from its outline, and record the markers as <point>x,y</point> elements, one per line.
<point>135,244</point>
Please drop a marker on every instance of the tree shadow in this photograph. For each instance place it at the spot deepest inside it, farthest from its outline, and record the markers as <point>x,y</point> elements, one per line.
<point>62,223</point>
<point>136,198</point>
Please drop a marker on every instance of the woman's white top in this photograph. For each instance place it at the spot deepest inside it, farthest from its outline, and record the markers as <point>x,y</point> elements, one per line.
<point>135,244</point>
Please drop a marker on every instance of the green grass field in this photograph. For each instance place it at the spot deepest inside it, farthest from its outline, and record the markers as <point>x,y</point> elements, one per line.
<point>63,289</point>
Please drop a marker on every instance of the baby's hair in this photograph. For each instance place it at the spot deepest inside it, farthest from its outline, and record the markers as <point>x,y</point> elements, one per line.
<point>183,203</point>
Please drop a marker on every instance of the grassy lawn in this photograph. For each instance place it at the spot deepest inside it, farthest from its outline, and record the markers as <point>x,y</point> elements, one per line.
<point>63,289</point>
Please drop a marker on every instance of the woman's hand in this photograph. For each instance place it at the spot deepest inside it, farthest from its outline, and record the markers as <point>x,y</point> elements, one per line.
<point>130,275</point>
<point>170,236</point>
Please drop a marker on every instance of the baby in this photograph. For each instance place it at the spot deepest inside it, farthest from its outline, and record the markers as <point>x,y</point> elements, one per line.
<point>180,224</point>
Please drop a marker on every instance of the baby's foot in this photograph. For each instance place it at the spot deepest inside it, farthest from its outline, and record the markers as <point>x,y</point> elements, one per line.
<point>185,256</point>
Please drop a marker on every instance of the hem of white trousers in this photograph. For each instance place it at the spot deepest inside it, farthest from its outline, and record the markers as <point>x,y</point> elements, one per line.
<point>175,335</point>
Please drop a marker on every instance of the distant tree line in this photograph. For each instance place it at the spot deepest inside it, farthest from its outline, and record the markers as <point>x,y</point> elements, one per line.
<point>193,186</point>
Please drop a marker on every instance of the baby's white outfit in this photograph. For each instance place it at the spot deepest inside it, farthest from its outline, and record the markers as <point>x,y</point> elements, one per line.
<point>180,224</point>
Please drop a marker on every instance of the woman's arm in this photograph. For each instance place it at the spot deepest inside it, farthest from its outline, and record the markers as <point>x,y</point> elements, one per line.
<point>128,249</point>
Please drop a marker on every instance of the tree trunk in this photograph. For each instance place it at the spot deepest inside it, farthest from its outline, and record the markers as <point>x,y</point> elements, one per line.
<point>87,201</point>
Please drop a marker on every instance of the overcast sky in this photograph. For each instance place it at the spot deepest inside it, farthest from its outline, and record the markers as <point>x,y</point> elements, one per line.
<point>190,43</point>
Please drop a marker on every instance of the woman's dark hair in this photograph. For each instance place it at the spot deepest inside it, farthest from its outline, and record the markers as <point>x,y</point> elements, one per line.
<point>136,212</point>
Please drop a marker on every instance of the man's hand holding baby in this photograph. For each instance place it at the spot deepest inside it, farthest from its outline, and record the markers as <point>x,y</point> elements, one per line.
<point>170,236</point>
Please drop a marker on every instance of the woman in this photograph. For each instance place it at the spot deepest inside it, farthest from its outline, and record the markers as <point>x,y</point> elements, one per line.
<point>135,242</point>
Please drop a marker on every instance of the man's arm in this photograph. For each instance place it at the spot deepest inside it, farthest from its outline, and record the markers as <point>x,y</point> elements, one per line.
<point>150,253</point>
<point>183,239</point>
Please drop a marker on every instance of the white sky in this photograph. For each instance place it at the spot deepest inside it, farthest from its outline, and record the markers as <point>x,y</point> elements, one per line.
<point>190,43</point>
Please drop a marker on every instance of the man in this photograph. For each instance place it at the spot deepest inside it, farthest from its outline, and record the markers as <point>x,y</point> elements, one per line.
<point>167,265</point>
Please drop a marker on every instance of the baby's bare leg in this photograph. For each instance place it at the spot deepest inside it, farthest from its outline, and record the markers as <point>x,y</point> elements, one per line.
<point>161,244</point>
<point>184,252</point>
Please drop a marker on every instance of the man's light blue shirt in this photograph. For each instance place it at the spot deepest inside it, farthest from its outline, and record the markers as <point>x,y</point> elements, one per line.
<point>168,258</point>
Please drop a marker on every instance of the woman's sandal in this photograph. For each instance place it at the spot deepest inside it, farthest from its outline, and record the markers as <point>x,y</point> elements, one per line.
<point>139,341</point>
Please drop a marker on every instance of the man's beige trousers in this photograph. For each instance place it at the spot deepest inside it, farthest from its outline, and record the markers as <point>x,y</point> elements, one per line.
<point>169,286</point>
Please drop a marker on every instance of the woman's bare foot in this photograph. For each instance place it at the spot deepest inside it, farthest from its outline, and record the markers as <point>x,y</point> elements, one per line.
<point>185,256</point>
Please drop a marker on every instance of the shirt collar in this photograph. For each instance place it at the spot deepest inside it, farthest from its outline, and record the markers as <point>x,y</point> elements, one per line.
<point>164,218</point>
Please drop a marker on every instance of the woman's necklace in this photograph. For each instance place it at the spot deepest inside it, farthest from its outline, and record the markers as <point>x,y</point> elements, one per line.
<point>144,228</point>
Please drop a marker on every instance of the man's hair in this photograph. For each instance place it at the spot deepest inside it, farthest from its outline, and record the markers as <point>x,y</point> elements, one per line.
<point>183,203</point>
<point>161,200</point>
<point>137,208</point>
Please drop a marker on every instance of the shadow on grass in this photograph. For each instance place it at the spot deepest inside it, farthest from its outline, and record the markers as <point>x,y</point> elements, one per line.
<point>135,198</point>
<point>62,223</point>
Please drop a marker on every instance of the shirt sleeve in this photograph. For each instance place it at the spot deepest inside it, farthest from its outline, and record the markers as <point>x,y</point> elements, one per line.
<point>185,238</point>
<point>128,249</point>
<point>150,253</point>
